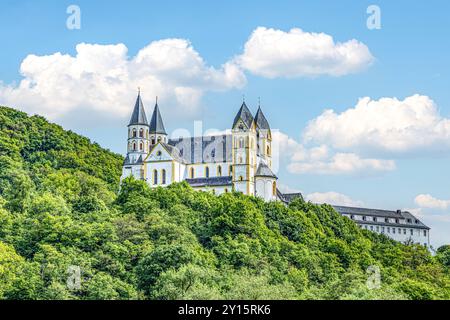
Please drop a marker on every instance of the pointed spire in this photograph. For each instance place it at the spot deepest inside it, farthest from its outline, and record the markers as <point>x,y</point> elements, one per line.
<point>261,121</point>
<point>244,114</point>
<point>138,116</point>
<point>156,123</point>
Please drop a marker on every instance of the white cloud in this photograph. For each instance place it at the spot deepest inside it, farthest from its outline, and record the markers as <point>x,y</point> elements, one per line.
<point>102,78</point>
<point>275,53</point>
<point>333,198</point>
<point>322,160</point>
<point>428,201</point>
<point>287,189</point>
<point>387,125</point>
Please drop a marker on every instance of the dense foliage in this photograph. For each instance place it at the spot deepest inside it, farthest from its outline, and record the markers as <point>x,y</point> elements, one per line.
<point>60,207</point>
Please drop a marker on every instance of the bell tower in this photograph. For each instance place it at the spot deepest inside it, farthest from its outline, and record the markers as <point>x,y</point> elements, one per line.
<point>244,151</point>
<point>157,131</point>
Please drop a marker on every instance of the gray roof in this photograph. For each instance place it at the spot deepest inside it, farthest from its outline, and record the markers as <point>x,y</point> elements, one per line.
<point>206,149</point>
<point>264,171</point>
<point>138,116</point>
<point>156,123</point>
<point>288,197</point>
<point>128,162</point>
<point>210,182</point>
<point>398,214</point>
<point>244,114</point>
<point>174,152</point>
<point>261,120</point>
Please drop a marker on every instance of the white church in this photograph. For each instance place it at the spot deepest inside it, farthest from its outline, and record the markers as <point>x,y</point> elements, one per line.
<point>240,161</point>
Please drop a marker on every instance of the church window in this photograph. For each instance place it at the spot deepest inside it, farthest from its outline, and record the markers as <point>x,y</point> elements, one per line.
<point>374,219</point>
<point>241,142</point>
<point>207,172</point>
<point>141,133</point>
<point>159,139</point>
<point>231,169</point>
<point>219,171</point>
<point>134,146</point>
<point>153,140</point>
<point>163,176</point>
<point>158,153</point>
<point>155,177</point>
<point>268,150</point>
<point>134,133</point>
<point>192,173</point>
<point>424,233</point>
<point>389,229</point>
<point>141,146</point>
<point>274,188</point>
<point>241,178</point>
<point>386,220</point>
<point>364,218</point>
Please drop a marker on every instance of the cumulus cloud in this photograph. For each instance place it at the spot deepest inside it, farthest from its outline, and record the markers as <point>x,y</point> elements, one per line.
<point>275,53</point>
<point>428,201</point>
<point>388,125</point>
<point>322,160</point>
<point>103,78</point>
<point>333,198</point>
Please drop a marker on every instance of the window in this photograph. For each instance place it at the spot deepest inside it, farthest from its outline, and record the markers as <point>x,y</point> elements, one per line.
<point>226,190</point>
<point>141,133</point>
<point>411,231</point>
<point>424,233</point>
<point>207,172</point>
<point>352,217</point>
<point>192,173</point>
<point>153,140</point>
<point>159,139</point>
<point>386,220</point>
<point>371,228</point>
<point>417,221</point>
<point>382,229</point>
<point>241,142</point>
<point>404,231</point>
<point>219,171</point>
<point>409,220</point>
<point>268,150</point>
<point>158,153</point>
<point>141,146</point>
<point>364,218</point>
<point>374,219</point>
<point>134,146</point>
<point>163,176</point>
<point>396,221</point>
<point>274,188</point>
<point>399,231</point>
<point>393,230</point>
<point>155,177</point>
<point>134,133</point>
<point>231,170</point>
<point>389,229</point>
<point>241,178</point>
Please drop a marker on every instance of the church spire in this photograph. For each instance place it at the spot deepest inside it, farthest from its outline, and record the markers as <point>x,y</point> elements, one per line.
<point>156,122</point>
<point>261,120</point>
<point>138,116</point>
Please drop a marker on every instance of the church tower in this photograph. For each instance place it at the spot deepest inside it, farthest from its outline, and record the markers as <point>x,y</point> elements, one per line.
<point>157,130</point>
<point>244,151</point>
<point>138,142</point>
<point>264,139</point>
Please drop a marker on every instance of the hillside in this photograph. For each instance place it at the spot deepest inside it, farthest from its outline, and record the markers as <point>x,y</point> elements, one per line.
<point>60,210</point>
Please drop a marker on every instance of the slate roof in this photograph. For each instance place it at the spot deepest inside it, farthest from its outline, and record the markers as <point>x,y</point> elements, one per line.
<point>156,123</point>
<point>288,197</point>
<point>401,215</point>
<point>138,116</point>
<point>244,114</point>
<point>128,162</point>
<point>206,149</point>
<point>173,151</point>
<point>210,182</point>
<point>261,120</point>
<point>264,171</point>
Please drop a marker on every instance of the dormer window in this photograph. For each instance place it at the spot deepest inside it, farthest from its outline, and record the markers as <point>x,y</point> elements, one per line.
<point>374,219</point>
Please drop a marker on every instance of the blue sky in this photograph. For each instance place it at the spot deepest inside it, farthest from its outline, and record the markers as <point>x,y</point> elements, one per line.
<point>407,58</point>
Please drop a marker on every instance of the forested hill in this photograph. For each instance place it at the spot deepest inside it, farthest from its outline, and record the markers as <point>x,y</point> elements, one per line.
<point>60,211</point>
